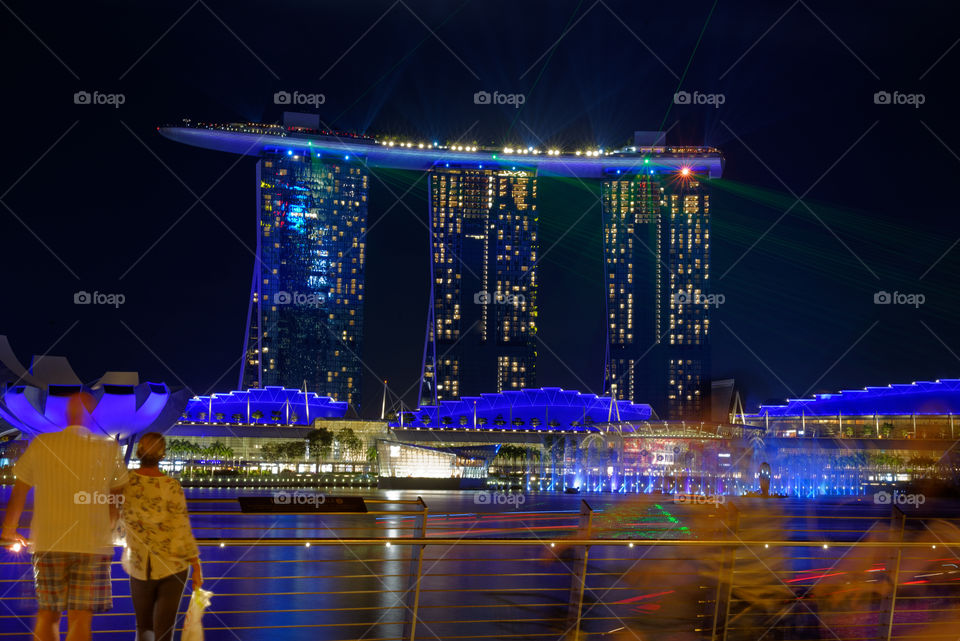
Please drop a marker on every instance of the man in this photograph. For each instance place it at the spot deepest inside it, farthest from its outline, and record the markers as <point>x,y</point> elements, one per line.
<point>76,476</point>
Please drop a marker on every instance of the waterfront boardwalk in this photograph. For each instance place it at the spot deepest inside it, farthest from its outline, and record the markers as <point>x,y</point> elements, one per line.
<point>338,577</point>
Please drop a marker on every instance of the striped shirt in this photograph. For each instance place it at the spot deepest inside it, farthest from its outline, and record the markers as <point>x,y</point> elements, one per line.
<point>72,473</point>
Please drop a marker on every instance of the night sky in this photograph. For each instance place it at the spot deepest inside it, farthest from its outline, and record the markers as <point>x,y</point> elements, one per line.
<point>94,199</point>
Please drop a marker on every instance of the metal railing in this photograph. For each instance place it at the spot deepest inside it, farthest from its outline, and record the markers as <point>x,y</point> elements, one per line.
<point>714,572</point>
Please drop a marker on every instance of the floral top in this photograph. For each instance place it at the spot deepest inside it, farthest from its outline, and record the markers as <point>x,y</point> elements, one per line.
<point>157,529</point>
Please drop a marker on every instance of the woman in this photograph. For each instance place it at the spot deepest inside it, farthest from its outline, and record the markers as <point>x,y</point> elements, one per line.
<point>159,543</point>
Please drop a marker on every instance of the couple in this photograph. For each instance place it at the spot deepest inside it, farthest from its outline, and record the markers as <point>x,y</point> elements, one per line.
<point>79,479</point>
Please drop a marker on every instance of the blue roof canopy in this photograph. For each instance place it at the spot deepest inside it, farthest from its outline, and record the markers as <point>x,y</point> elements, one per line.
<point>548,408</point>
<point>922,397</point>
<point>291,406</point>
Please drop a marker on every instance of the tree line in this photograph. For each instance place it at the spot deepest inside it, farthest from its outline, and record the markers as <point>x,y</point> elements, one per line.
<point>320,442</point>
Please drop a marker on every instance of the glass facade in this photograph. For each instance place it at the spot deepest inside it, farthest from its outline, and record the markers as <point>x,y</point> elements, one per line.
<point>482,318</point>
<point>632,238</point>
<point>306,308</point>
<point>656,244</point>
<point>687,324</point>
<point>406,460</point>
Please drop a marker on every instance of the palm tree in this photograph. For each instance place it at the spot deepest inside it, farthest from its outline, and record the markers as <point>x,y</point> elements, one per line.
<point>551,442</point>
<point>217,450</point>
<point>182,448</point>
<point>509,454</point>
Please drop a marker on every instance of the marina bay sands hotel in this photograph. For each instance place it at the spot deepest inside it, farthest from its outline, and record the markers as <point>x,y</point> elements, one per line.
<point>305,320</point>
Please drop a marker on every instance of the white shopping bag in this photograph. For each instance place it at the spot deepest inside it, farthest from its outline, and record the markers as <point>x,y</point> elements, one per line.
<point>192,626</point>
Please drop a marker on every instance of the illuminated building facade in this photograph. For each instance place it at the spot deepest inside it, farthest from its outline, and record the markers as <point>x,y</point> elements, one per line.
<point>482,318</point>
<point>409,465</point>
<point>545,409</point>
<point>306,306</point>
<point>34,399</point>
<point>656,240</point>
<point>920,410</point>
<point>481,327</point>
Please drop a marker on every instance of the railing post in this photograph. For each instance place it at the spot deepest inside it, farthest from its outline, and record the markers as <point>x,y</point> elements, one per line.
<point>728,555</point>
<point>416,568</point>
<point>578,574</point>
<point>888,602</point>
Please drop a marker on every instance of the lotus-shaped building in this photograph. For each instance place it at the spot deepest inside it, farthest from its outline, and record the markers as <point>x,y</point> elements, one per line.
<point>34,400</point>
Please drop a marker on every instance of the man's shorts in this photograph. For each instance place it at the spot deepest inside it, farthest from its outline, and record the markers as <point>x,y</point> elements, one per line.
<point>72,581</point>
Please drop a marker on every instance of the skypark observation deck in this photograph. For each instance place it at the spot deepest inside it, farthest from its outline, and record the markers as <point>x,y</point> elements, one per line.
<point>255,140</point>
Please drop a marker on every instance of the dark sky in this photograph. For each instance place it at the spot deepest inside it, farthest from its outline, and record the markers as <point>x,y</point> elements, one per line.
<point>96,200</point>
